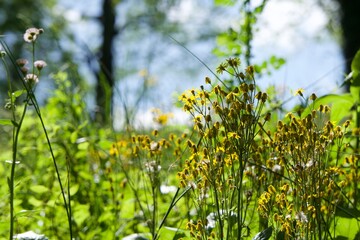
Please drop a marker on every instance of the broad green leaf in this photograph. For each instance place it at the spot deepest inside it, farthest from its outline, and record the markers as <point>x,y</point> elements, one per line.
<point>81,213</point>
<point>18,93</point>
<point>340,106</point>
<point>355,83</point>
<point>73,137</point>
<point>6,122</point>
<point>74,189</point>
<point>35,202</point>
<point>355,68</point>
<point>172,233</point>
<point>355,64</point>
<point>346,227</point>
<point>83,146</point>
<point>39,189</point>
<point>355,92</point>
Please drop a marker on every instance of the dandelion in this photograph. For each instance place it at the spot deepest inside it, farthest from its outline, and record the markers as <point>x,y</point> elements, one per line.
<point>40,64</point>
<point>299,92</point>
<point>233,62</point>
<point>221,68</point>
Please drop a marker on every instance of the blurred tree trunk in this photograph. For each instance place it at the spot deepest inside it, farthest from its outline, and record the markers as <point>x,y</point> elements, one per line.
<point>350,25</point>
<point>105,75</point>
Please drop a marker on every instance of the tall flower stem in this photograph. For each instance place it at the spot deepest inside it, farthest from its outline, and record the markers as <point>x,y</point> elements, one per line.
<point>16,132</point>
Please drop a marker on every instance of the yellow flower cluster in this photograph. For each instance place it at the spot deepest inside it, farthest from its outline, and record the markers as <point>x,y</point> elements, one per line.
<point>227,120</point>
<point>304,153</point>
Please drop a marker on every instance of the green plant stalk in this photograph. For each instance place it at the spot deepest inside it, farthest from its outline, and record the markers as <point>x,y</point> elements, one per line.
<point>172,204</point>
<point>69,196</point>
<point>16,131</point>
<point>156,210</point>
<point>219,214</point>
<point>13,164</point>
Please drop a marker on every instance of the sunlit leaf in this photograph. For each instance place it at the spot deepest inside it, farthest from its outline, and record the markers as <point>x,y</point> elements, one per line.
<point>39,189</point>
<point>74,189</point>
<point>81,213</point>
<point>225,2</point>
<point>18,93</point>
<point>355,83</point>
<point>346,227</point>
<point>5,122</point>
<point>35,202</point>
<point>340,106</point>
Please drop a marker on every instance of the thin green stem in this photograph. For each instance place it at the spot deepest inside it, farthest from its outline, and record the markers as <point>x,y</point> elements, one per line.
<point>16,132</point>
<point>66,203</point>
<point>37,108</point>
<point>13,164</point>
<point>172,204</point>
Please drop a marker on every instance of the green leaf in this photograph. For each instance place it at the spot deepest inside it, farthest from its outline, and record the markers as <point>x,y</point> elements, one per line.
<point>355,68</point>
<point>18,93</point>
<point>35,202</point>
<point>6,122</point>
<point>340,106</point>
<point>74,189</point>
<point>39,189</point>
<point>73,137</point>
<point>83,146</point>
<point>355,64</point>
<point>225,2</point>
<point>276,62</point>
<point>81,213</point>
<point>346,227</point>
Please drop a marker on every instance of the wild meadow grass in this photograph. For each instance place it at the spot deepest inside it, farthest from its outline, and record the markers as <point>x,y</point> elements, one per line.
<point>241,171</point>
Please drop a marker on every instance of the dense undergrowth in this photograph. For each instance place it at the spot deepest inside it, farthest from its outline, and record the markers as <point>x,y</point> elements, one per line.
<point>239,170</point>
